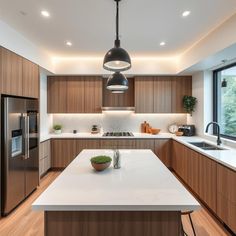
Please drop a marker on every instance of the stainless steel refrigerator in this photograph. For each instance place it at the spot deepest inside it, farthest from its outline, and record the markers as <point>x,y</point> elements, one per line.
<point>20,165</point>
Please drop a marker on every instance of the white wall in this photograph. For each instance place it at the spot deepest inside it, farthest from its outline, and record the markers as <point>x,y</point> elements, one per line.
<point>45,119</point>
<point>116,121</point>
<point>14,41</point>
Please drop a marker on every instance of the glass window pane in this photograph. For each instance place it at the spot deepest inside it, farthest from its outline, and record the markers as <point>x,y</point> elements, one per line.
<point>227,101</point>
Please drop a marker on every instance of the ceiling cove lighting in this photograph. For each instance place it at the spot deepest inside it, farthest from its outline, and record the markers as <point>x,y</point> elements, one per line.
<point>186,13</point>
<point>117,83</point>
<point>45,14</point>
<point>117,59</point>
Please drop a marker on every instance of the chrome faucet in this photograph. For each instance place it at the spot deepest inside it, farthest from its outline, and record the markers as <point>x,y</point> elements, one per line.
<point>218,131</point>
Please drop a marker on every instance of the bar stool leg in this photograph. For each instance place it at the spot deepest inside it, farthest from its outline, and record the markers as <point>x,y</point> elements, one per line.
<point>190,218</point>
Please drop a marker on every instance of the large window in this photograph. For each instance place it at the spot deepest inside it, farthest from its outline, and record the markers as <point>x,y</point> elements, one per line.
<point>225,100</point>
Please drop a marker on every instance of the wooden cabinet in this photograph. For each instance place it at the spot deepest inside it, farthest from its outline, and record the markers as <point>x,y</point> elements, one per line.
<point>74,94</point>
<point>179,161</point>
<point>86,144</point>
<point>57,94</point>
<point>10,73</point>
<point>226,196</point>
<point>181,86</point>
<point>44,157</point>
<point>30,79</point>
<point>163,94</point>
<point>118,144</point>
<point>145,144</point>
<point>93,94</point>
<point>125,99</point>
<point>18,76</point>
<point>144,94</point>
<point>207,181</point>
<point>197,171</point>
<point>162,149</point>
<point>63,152</point>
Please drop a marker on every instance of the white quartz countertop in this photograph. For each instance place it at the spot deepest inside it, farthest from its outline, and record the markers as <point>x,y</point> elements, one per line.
<point>143,183</point>
<point>225,157</point>
<point>100,136</point>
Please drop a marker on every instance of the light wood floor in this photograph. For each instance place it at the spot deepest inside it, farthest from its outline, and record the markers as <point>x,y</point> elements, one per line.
<point>25,222</point>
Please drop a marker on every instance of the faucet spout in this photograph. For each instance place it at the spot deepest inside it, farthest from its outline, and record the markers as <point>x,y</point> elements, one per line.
<point>218,131</point>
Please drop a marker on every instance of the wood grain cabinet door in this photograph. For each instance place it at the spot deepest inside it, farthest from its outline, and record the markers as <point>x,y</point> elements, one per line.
<point>82,144</point>
<point>30,79</point>
<point>93,94</point>
<point>163,150</point>
<point>207,181</point>
<point>75,94</point>
<point>144,94</point>
<point>145,144</point>
<point>179,161</point>
<point>57,94</point>
<point>181,86</point>
<point>63,152</point>
<point>163,94</point>
<point>125,99</point>
<point>226,196</point>
<point>10,73</point>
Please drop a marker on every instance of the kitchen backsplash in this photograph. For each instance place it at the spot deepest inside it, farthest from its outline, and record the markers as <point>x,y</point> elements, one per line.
<point>116,121</point>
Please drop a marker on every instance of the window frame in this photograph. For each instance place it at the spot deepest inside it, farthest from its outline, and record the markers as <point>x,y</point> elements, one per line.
<point>215,99</point>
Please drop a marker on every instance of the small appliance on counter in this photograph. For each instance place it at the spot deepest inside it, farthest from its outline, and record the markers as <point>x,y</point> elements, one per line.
<point>188,130</point>
<point>95,129</point>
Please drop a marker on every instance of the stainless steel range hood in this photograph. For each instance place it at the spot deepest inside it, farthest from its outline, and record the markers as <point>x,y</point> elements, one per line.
<point>118,108</point>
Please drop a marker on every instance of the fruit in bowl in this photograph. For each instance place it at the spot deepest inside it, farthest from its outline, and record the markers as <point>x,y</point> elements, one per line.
<point>155,131</point>
<point>100,163</point>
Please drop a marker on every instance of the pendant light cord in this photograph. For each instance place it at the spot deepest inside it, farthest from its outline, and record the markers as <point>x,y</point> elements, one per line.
<point>117,41</point>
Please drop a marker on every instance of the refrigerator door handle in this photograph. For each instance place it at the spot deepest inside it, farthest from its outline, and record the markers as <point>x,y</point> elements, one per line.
<point>27,136</point>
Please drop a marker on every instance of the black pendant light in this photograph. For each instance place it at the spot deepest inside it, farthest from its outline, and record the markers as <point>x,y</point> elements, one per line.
<point>117,83</point>
<point>117,59</point>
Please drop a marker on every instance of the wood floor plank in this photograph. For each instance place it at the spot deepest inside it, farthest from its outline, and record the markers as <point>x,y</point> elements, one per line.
<point>25,222</point>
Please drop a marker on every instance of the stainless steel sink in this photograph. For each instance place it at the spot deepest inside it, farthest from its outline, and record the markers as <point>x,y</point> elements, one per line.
<point>206,146</point>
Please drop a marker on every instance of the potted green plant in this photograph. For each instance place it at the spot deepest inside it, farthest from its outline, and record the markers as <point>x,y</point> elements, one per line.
<point>57,129</point>
<point>189,103</point>
<point>100,163</point>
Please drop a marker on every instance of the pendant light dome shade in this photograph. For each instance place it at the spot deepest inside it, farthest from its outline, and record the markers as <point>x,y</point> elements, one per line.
<point>117,59</point>
<point>117,82</point>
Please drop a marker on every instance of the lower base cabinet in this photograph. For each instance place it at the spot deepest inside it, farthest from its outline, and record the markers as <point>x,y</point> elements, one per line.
<point>213,183</point>
<point>162,148</point>
<point>226,196</point>
<point>118,144</point>
<point>44,157</point>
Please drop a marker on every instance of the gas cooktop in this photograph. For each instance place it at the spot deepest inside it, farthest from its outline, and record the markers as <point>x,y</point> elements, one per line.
<point>118,134</point>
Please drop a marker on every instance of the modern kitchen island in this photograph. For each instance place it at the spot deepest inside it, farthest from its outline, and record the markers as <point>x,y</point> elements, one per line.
<point>142,198</point>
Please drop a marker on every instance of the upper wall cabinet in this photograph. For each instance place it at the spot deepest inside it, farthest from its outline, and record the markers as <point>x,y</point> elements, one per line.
<point>74,94</point>
<point>11,73</point>
<point>181,86</point>
<point>162,94</point>
<point>125,99</point>
<point>30,79</point>
<point>144,94</point>
<point>18,76</point>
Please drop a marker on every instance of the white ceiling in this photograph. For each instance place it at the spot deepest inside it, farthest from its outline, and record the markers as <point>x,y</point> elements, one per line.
<point>90,24</point>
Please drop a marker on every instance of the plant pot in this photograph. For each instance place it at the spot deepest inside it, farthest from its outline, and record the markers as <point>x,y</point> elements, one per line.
<point>57,131</point>
<point>100,167</point>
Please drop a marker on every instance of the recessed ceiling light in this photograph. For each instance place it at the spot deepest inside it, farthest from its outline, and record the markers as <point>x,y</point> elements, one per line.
<point>68,43</point>
<point>186,13</point>
<point>45,13</point>
<point>162,44</point>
